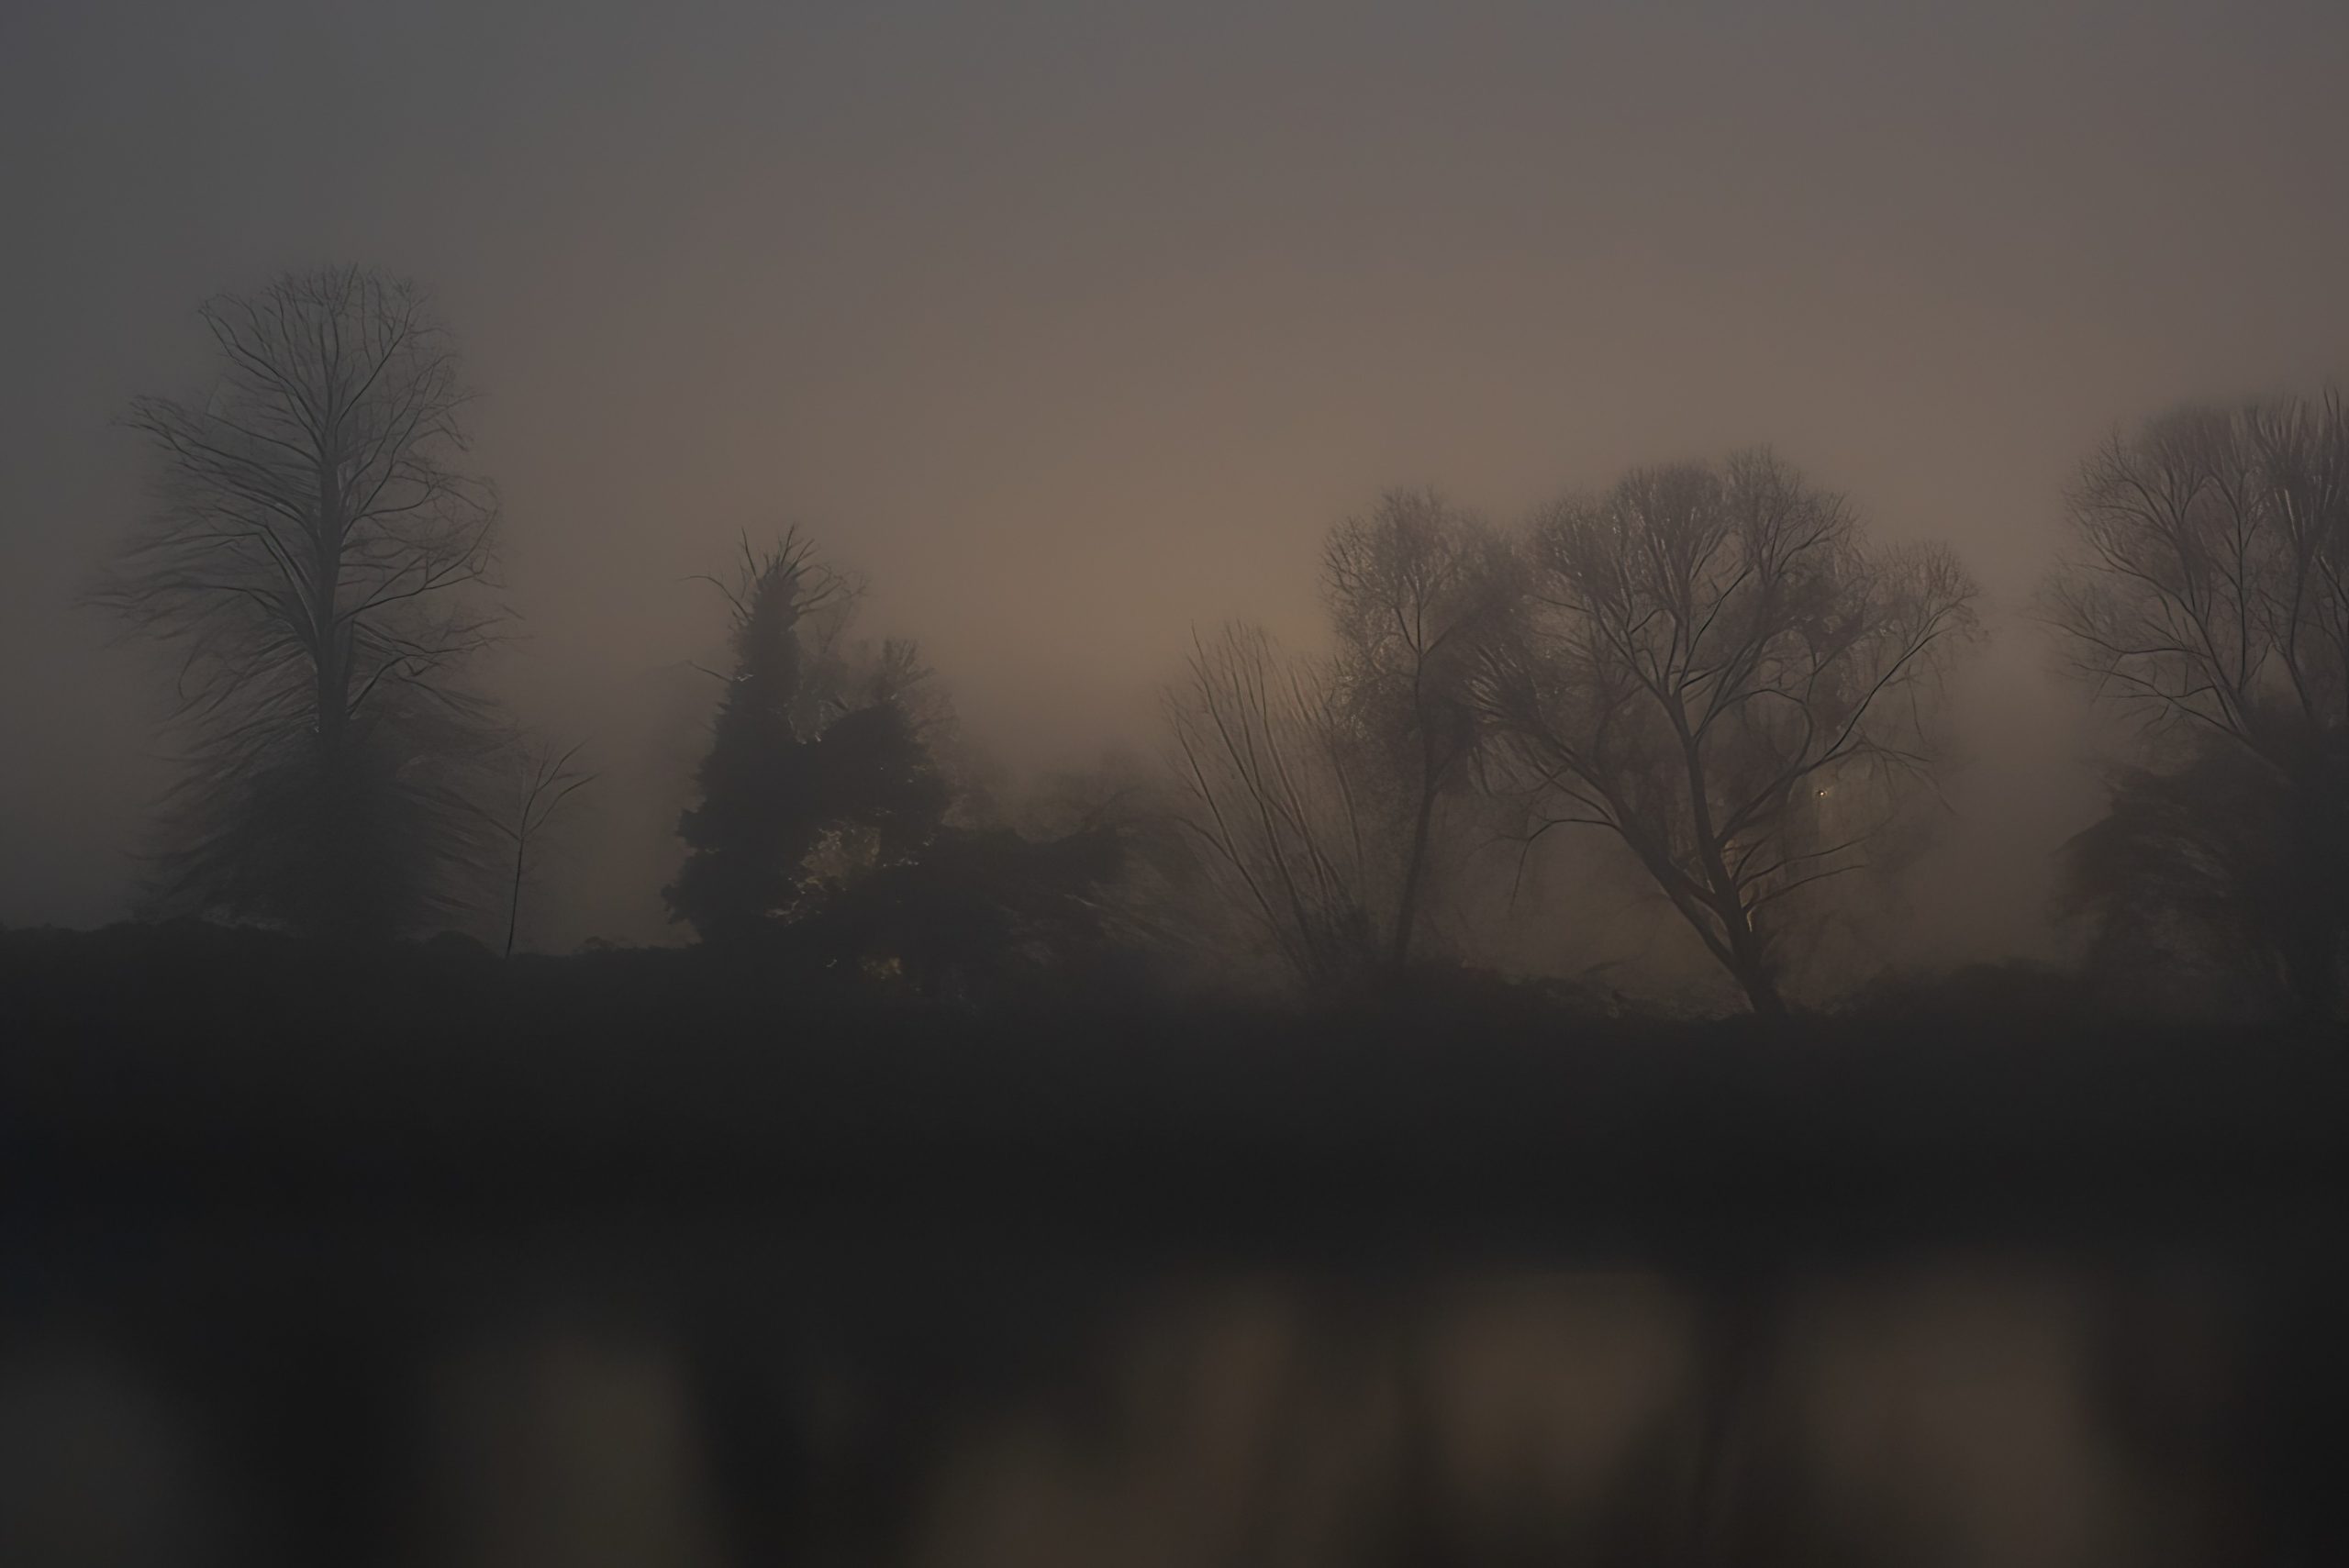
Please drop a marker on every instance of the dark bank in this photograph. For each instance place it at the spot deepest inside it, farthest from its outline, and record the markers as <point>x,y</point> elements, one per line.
<point>417,1256</point>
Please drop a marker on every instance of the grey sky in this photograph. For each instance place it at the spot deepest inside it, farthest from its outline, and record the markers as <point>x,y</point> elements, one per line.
<point>1072,325</point>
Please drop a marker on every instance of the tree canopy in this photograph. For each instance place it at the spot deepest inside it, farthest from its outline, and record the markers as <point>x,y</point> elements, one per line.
<point>314,563</point>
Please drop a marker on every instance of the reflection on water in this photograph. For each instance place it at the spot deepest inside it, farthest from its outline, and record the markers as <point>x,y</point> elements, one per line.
<point>1944,1413</point>
<point>1991,1409</point>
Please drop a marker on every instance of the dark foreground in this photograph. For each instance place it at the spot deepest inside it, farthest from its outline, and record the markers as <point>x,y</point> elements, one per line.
<point>639,1258</point>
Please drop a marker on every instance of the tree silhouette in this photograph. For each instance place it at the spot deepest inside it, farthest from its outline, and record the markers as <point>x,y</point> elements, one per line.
<point>540,782</point>
<point>977,907</point>
<point>2209,870</point>
<point>1162,906</point>
<point>312,564</point>
<point>1414,590</point>
<point>798,756</point>
<point>2206,594</point>
<point>1312,792</point>
<point>1273,790</point>
<point>1711,664</point>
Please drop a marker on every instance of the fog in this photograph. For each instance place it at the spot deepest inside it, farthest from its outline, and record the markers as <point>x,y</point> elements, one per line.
<point>1075,327</point>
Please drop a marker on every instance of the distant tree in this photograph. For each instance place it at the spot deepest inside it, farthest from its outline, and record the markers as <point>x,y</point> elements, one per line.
<point>758,817</point>
<point>2206,877</point>
<point>313,564</point>
<point>1312,793</point>
<point>1415,590</point>
<point>879,776</point>
<point>1160,907</point>
<point>1272,790</point>
<point>799,755</point>
<point>2206,594</point>
<point>1711,664</point>
<point>540,781</point>
<point>1120,791</point>
<point>976,908</point>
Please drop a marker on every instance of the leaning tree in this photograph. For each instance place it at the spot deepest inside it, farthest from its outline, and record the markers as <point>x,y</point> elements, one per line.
<point>2205,592</point>
<point>1711,663</point>
<point>313,563</point>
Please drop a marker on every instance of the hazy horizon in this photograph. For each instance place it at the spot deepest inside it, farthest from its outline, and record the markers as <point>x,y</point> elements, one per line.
<point>1073,330</point>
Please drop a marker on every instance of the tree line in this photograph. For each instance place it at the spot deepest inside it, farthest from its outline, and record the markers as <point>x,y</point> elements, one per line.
<point>1712,665</point>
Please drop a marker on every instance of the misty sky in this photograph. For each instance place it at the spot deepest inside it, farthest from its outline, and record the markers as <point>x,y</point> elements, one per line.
<point>1072,325</point>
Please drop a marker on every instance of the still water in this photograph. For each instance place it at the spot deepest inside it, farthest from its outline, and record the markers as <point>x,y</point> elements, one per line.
<point>728,1395</point>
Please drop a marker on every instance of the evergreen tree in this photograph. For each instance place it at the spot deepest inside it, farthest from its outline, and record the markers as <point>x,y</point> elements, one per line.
<point>791,767</point>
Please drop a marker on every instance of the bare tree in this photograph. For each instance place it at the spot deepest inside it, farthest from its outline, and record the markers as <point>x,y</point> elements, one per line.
<point>2206,593</point>
<point>312,564</point>
<point>1270,795</point>
<point>1414,590</point>
<point>541,780</point>
<point>1712,665</point>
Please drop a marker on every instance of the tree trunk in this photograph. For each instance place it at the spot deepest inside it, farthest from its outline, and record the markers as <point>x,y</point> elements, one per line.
<point>326,589</point>
<point>1762,991</point>
<point>332,900</point>
<point>1749,961</point>
<point>1748,964</point>
<point>1406,915</point>
<point>513,901</point>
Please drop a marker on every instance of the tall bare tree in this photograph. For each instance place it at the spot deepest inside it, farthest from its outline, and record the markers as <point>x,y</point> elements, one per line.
<point>2206,593</point>
<point>1271,792</point>
<point>1711,664</point>
<point>1415,589</point>
<point>313,563</point>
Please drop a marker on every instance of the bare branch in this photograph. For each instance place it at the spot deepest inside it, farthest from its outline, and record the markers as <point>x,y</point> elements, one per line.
<point>1712,665</point>
<point>308,563</point>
